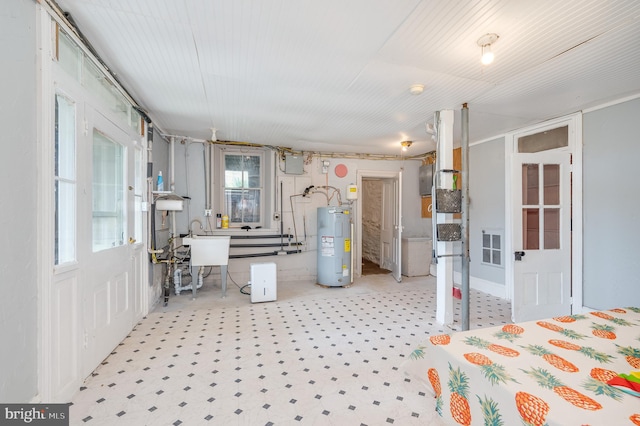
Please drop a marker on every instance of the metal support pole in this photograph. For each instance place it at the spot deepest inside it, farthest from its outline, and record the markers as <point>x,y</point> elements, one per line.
<point>465,216</point>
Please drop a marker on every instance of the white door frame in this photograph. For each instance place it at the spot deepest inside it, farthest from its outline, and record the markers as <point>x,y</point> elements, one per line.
<point>360,174</point>
<point>574,121</point>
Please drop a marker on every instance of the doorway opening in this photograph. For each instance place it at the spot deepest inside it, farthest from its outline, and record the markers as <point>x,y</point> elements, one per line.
<point>373,213</point>
<point>379,223</point>
<point>374,233</point>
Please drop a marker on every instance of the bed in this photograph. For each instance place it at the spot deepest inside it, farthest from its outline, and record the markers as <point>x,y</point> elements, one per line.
<point>548,372</point>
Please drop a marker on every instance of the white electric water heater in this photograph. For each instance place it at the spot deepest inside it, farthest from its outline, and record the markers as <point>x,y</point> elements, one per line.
<point>334,246</point>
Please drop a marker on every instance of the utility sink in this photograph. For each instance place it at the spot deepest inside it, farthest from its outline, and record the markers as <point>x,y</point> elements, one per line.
<point>208,250</point>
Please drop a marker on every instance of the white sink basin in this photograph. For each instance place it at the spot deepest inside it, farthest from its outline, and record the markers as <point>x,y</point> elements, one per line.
<point>207,250</point>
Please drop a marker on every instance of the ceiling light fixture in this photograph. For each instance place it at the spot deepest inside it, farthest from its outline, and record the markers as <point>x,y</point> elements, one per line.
<point>485,43</point>
<point>416,89</point>
<point>405,145</point>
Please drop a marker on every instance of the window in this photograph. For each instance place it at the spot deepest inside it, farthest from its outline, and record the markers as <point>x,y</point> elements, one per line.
<point>65,180</point>
<point>543,141</point>
<point>492,247</point>
<point>243,188</point>
<point>84,69</point>
<point>109,205</point>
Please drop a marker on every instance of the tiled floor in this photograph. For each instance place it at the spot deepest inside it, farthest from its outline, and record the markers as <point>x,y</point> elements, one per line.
<point>316,356</point>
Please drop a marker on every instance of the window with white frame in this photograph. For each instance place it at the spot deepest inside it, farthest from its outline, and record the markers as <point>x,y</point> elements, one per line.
<point>65,180</point>
<point>109,203</point>
<point>243,187</point>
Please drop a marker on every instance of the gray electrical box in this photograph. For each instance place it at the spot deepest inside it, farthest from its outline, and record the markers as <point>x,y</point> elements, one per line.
<point>293,164</point>
<point>425,179</point>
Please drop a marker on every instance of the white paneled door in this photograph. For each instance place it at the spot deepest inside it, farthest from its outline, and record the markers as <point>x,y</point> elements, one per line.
<point>397,228</point>
<point>111,282</point>
<point>541,234</point>
<point>94,299</point>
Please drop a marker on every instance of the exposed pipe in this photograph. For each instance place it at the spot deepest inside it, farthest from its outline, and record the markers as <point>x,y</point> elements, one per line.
<point>194,221</point>
<point>295,243</point>
<point>172,164</point>
<point>273,253</point>
<point>260,236</point>
<point>207,176</point>
<point>172,238</point>
<point>465,216</point>
<point>293,216</point>
<point>151,214</point>
<point>281,220</point>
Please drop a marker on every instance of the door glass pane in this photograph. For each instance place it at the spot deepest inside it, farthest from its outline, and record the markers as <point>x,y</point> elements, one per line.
<point>551,178</point>
<point>65,180</point>
<point>551,228</point>
<point>530,185</point>
<point>65,217</point>
<point>138,191</point>
<point>531,229</point>
<point>108,193</point>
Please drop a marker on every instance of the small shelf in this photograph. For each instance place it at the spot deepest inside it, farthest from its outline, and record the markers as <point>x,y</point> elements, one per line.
<point>167,201</point>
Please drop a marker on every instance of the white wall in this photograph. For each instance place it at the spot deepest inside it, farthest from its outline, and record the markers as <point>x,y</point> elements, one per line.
<point>611,207</point>
<point>487,204</point>
<point>18,216</point>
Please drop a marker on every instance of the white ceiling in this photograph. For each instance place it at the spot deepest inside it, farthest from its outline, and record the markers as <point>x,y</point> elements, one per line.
<point>334,75</point>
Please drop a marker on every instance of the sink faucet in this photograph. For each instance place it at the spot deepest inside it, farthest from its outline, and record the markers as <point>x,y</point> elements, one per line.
<point>191,223</point>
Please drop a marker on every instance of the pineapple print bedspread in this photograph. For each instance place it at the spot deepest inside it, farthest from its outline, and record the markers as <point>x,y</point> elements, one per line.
<point>550,372</point>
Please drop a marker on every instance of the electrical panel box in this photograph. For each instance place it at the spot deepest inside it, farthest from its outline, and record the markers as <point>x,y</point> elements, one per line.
<point>263,282</point>
<point>293,164</point>
<point>425,179</point>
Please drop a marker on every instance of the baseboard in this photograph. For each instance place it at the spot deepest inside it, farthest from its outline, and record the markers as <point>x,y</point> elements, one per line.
<point>489,287</point>
<point>485,286</point>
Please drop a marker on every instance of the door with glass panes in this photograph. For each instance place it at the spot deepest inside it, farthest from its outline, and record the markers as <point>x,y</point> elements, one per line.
<point>541,230</point>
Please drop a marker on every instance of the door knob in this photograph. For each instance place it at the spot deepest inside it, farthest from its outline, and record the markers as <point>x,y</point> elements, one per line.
<point>518,255</point>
